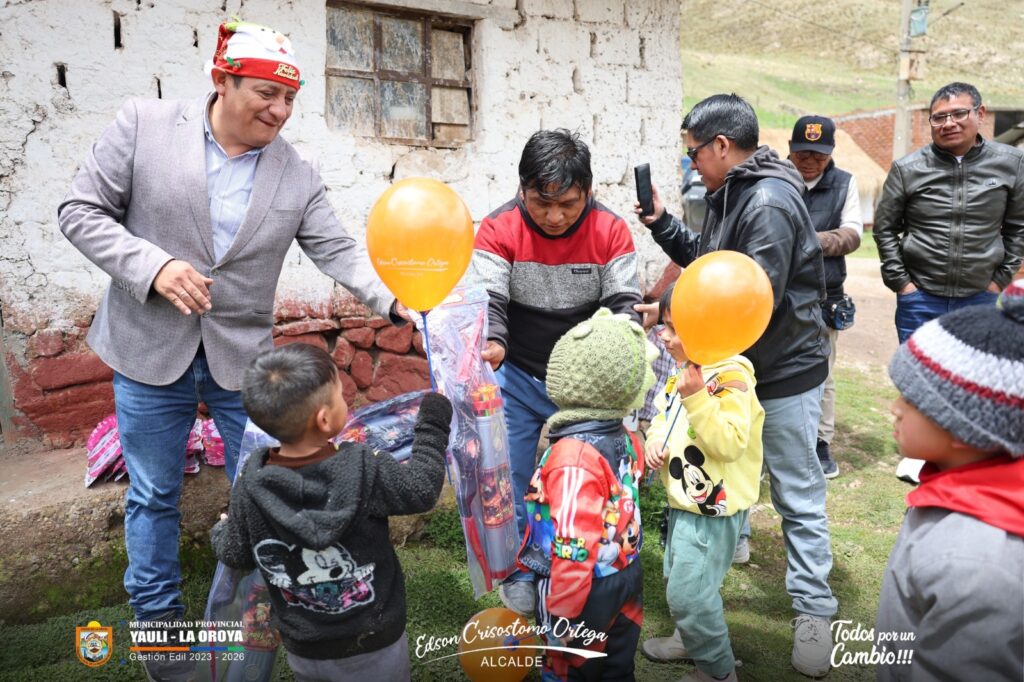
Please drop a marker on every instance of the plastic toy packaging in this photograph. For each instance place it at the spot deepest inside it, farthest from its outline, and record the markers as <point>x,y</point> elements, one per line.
<point>478,460</point>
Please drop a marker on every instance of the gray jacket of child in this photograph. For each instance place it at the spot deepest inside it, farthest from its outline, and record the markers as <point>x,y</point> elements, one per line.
<point>955,585</point>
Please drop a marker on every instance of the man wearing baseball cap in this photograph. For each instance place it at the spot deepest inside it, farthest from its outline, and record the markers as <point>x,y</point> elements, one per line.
<point>833,201</point>
<point>191,207</point>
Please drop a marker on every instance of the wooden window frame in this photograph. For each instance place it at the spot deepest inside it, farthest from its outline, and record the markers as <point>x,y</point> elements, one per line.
<point>428,23</point>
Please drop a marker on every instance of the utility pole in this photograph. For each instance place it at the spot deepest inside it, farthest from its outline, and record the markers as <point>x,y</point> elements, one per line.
<point>901,133</point>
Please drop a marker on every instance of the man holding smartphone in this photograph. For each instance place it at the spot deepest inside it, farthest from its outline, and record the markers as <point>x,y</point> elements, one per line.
<point>756,207</point>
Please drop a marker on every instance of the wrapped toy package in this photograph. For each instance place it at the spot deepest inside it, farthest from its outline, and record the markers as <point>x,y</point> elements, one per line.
<point>478,470</point>
<point>478,463</point>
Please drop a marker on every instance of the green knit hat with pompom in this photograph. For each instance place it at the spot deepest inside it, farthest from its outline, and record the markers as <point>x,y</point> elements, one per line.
<point>600,369</point>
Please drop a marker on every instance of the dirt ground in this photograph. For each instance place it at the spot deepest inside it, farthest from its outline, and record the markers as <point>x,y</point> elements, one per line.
<point>871,341</point>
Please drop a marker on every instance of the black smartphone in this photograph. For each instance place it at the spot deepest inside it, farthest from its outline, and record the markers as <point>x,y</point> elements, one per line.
<point>642,174</point>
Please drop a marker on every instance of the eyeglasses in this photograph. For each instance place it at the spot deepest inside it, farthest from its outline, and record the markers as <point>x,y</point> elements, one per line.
<point>808,155</point>
<point>692,153</point>
<point>958,116</point>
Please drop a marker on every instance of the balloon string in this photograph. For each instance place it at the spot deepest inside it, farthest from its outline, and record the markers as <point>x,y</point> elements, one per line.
<point>426,345</point>
<point>650,474</point>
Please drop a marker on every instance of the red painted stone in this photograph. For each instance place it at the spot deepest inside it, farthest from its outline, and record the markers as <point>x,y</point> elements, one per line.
<point>395,339</point>
<point>25,322</point>
<point>67,416</point>
<point>24,388</point>
<point>73,424</point>
<point>360,338</point>
<point>69,398</point>
<point>398,374</point>
<point>348,387</point>
<point>344,304</point>
<point>361,369</point>
<point>417,343</point>
<point>69,370</point>
<point>352,322</point>
<point>343,353</point>
<point>377,323</point>
<point>45,343</point>
<point>312,339</point>
<point>299,310</point>
<point>305,327</point>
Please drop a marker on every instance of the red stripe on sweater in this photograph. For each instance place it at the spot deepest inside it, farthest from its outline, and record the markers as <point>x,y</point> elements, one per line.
<point>971,387</point>
<point>601,238</point>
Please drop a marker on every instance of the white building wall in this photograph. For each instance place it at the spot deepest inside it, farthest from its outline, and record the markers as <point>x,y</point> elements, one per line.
<point>608,68</point>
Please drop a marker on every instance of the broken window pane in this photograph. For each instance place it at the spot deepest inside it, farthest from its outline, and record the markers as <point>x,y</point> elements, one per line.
<point>349,39</point>
<point>448,58</point>
<point>403,108</point>
<point>449,105</point>
<point>401,45</point>
<point>350,105</point>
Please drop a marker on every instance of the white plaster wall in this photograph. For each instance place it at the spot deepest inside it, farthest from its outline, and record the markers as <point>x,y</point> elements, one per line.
<point>608,68</point>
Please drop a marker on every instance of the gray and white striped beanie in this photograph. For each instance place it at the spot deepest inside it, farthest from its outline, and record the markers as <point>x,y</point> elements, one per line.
<point>965,372</point>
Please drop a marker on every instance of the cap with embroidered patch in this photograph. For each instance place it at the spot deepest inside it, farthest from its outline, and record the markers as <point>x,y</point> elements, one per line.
<point>813,134</point>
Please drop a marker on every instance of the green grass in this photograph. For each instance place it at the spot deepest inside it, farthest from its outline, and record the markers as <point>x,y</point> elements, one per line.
<point>867,248</point>
<point>865,507</point>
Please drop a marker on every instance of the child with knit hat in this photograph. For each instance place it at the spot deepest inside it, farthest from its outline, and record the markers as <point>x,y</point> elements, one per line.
<point>952,593</point>
<point>584,535</point>
<point>712,421</point>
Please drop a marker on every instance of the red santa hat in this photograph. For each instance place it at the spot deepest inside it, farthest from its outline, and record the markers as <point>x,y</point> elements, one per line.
<point>255,51</point>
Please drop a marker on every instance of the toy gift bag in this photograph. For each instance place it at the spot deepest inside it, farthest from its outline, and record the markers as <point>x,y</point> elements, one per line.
<point>478,460</point>
<point>238,596</point>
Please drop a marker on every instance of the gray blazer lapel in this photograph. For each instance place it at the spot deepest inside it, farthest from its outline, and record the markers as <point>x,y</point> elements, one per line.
<point>191,139</point>
<point>269,170</point>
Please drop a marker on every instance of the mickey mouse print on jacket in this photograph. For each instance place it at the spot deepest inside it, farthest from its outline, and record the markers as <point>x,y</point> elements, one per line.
<point>583,511</point>
<point>326,580</point>
<point>318,533</point>
<point>715,455</point>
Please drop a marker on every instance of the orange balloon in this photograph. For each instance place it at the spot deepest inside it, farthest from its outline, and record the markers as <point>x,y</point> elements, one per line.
<point>490,647</point>
<point>420,239</point>
<point>721,305</point>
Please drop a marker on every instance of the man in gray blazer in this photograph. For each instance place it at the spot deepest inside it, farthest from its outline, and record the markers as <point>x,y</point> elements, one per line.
<point>190,207</point>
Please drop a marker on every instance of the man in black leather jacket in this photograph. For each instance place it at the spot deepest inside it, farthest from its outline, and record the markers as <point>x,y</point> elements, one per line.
<point>950,223</point>
<point>755,206</point>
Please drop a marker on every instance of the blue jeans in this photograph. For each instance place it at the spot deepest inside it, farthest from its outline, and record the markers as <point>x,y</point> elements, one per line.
<point>154,423</point>
<point>798,495</point>
<point>918,307</point>
<point>527,407</point>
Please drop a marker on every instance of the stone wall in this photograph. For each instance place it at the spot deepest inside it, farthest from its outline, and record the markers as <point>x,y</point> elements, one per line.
<point>608,68</point>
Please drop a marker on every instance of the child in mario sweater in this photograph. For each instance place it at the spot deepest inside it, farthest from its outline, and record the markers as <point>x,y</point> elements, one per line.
<point>584,535</point>
<point>713,475</point>
<point>952,592</point>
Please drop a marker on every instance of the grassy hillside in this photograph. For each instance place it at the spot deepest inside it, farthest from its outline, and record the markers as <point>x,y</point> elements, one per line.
<point>794,56</point>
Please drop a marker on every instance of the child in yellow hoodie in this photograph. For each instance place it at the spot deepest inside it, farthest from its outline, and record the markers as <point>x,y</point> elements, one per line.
<point>712,477</point>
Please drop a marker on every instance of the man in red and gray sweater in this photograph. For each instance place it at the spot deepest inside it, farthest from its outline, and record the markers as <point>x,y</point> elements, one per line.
<point>549,259</point>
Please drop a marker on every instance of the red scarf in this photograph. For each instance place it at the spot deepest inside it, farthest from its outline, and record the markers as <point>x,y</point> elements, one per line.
<point>991,490</point>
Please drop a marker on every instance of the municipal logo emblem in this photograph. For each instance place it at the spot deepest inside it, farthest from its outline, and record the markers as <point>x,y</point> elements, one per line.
<point>813,132</point>
<point>94,644</point>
